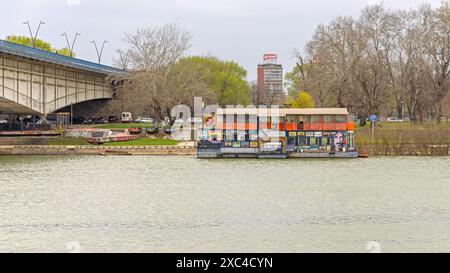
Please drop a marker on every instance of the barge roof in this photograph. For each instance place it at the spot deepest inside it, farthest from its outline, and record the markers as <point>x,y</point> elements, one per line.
<point>283,111</point>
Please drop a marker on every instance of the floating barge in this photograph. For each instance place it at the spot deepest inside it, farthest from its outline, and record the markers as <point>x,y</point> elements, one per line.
<point>277,133</point>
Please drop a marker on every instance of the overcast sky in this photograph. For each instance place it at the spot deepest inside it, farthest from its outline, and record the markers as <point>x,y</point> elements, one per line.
<point>239,30</point>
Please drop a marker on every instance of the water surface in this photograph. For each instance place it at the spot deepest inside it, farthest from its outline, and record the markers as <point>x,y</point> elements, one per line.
<point>184,204</point>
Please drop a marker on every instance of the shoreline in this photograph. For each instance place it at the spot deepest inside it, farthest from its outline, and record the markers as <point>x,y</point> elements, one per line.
<point>6,150</point>
<point>167,150</point>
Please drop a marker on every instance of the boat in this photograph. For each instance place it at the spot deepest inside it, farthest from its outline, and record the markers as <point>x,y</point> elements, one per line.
<point>277,133</point>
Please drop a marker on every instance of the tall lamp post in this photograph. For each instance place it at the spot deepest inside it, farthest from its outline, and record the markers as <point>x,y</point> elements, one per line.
<point>71,46</point>
<point>402,103</point>
<point>99,53</point>
<point>33,36</point>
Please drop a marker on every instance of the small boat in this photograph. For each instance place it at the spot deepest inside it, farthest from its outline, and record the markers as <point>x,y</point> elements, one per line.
<point>152,130</point>
<point>135,130</point>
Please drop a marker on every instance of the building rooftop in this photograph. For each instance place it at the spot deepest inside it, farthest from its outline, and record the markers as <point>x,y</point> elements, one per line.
<point>49,57</point>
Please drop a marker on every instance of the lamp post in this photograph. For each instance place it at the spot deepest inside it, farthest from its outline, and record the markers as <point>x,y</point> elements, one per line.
<point>99,53</point>
<point>402,103</point>
<point>69,46</point>
<point>33,37</point>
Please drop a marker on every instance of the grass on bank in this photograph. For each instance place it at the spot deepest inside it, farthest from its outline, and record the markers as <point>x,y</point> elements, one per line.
<point>71,141</point>
<point>395,133</point>
<point>123,125</point>
<point>66,141</point>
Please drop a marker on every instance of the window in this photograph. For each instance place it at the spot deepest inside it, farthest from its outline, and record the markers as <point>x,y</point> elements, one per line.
<point>328,118</point>
<point>341,119</point>
<point>316,119</point>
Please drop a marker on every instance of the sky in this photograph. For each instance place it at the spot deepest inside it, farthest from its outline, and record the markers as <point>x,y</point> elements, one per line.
<point>238,30</point>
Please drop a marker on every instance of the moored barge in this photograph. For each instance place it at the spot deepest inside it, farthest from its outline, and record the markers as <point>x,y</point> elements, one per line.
<point>277,133</point>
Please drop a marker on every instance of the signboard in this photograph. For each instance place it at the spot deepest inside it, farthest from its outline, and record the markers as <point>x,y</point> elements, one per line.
<point>292,134</point>
<point>317,134</point>
<point>309,134</point>
<point>271,147</point>
<point>204,135</point>
<point>236,144</point>
<point>270,57</point>
<point>253,144</point>
<point>373,118</point>
<point>208,122</point>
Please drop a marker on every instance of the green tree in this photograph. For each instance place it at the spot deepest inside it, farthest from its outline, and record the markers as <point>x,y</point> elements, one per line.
<point>24,40</point>
<point>301,100</point>
<point>226,79</point>
<point>297,79</point>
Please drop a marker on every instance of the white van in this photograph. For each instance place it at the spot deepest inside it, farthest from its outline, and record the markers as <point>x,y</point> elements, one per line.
<point>127,117</point>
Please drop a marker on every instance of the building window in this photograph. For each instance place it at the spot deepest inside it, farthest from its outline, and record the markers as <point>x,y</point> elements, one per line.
<point>316,119</point>
<point>328,118</point>
<point>341,119</point>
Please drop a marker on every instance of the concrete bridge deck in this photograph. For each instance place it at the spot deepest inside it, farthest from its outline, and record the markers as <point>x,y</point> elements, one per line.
<point>34,81</point>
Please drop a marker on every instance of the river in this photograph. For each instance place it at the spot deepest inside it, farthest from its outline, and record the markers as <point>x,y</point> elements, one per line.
<point>184,204</point>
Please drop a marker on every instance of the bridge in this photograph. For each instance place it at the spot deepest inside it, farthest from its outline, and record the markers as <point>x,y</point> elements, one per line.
<point>37,82</point>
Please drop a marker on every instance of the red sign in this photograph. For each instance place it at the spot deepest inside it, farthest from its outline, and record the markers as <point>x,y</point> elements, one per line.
<point>268,57</point>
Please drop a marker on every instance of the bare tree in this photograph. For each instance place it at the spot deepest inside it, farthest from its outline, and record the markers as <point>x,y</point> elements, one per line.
<point>157,81</point>
<point>156,48</point>
<point>438,52</point>
<point>381,61</point>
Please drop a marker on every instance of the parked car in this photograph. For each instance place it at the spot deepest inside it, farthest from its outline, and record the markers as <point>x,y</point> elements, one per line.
<point>100,121</point>
<point>146,120</point>
<point>393,119</point>
<point>113,119</point>
<point>3,121</point>
<point>89,121</point>
<point>78,120</point>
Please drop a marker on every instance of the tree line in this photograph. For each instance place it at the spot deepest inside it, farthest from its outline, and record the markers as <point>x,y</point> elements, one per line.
<point>162,75</point>
<point>40,44</point>
<point>382,62</point>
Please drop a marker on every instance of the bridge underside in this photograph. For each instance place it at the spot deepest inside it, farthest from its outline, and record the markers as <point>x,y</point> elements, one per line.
<point>10,107</point>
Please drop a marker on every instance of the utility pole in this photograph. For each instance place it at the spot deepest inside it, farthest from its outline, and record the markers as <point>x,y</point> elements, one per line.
<point>99,53</point>
<point>69,46</point>
<point>33,37</point>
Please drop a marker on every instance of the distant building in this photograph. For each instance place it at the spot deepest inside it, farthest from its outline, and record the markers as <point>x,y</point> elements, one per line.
<point>270,81</point>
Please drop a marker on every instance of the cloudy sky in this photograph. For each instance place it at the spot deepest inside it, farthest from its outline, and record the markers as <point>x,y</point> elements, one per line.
<point>239,30</point>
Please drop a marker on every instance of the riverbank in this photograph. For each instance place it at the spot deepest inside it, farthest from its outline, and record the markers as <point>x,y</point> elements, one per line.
<point>390,139</point>
<point>371,150</point>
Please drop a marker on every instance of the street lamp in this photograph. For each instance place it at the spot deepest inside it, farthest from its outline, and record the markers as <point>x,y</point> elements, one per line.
<point>33,37</point>
<point>70,47</point>
<point>402,103</point>
<point>99,53</point>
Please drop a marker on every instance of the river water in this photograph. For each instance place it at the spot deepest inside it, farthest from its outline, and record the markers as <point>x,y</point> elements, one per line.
<point>184,204</point>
